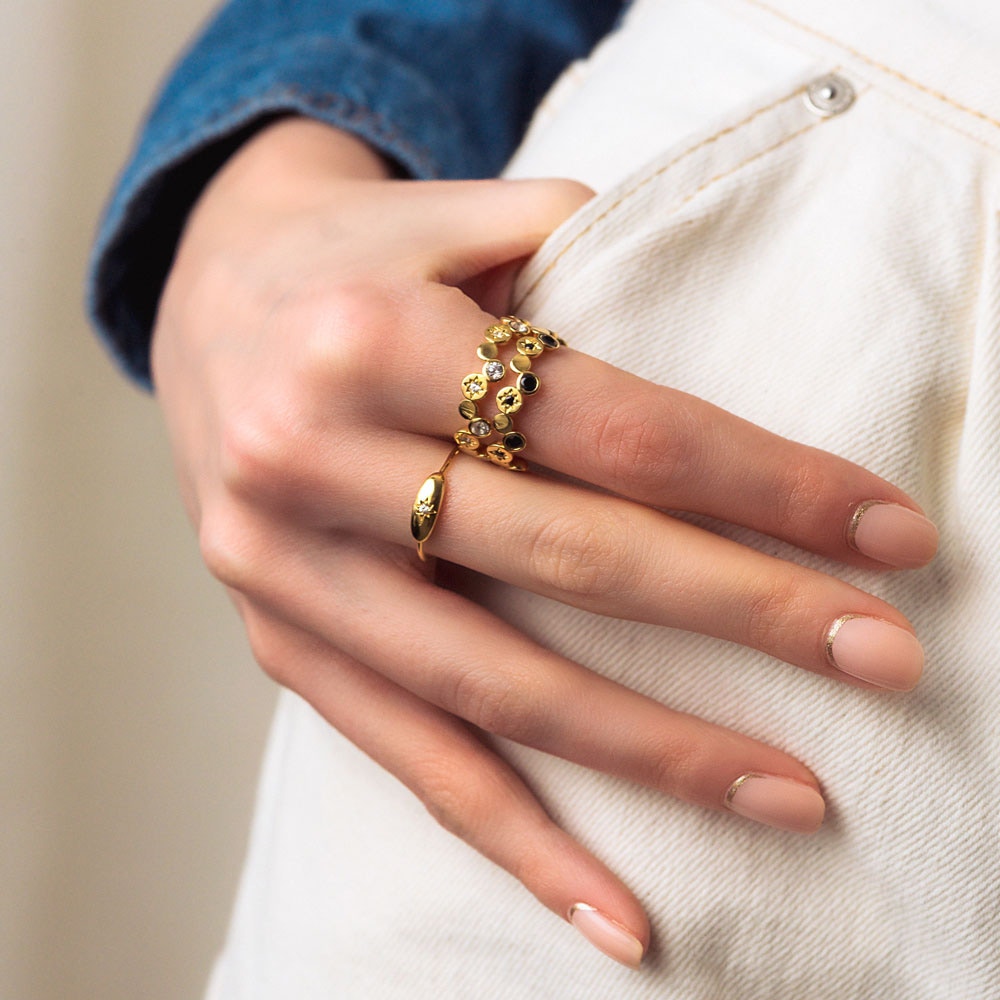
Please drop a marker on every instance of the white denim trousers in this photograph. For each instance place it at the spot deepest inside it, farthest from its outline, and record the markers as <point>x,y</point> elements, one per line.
<point>830,270</point>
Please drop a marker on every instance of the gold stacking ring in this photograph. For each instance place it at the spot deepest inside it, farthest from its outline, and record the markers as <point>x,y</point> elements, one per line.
<point>477,436</point>
<point>427,505</point>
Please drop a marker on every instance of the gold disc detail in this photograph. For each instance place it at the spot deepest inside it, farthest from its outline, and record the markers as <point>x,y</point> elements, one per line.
<point>500,455</point>
<point>531,346</point>
<point>466,441</point>
<point>474,386</point>
<point>509,400</point>
<point>498,334</point>
<point>517,325</point>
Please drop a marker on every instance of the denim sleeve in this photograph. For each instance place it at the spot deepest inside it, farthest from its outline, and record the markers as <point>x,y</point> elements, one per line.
<point>444,88</point>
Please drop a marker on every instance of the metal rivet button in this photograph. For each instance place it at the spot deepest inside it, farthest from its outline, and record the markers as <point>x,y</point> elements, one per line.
<point>829,95</point>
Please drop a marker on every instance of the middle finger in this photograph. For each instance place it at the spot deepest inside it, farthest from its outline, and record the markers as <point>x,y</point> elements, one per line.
<point>664,448</point>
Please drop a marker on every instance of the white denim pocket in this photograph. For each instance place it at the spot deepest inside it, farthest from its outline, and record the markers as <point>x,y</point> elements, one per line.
<point>811,273</point>
<point>834,279</point>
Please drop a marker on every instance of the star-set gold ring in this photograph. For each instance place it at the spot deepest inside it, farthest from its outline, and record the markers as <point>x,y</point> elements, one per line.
<point>427,505</point>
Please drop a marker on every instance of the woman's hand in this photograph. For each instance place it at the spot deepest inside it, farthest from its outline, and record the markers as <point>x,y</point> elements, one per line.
<point>308,354</point>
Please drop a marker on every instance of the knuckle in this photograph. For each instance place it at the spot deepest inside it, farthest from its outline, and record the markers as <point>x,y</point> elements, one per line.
<point>463,802</point>
<point>257,456</point>
<point>582,558</point>
<point>228,547</point>
<point>346,326</point>
<point>772,611</point>
<point>668,762</point>
<point>269,650</point>
<point>642,441</point>
<point>506,702</point>
<point>342,338</point>
<point>800,499</point>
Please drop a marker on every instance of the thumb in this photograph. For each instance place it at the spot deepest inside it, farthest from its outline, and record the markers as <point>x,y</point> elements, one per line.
<point>483,226</point>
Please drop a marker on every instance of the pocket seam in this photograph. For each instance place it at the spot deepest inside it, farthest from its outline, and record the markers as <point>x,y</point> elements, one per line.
<point>897,74</point>
<point>660,171</point>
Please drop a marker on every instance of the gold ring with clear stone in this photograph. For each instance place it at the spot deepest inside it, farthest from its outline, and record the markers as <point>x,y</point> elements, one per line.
<point>529,342</point>
<point>427,505</point>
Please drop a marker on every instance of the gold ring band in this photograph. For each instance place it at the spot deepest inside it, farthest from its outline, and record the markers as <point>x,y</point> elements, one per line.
<point>475,438</point>
<point>427,505</point>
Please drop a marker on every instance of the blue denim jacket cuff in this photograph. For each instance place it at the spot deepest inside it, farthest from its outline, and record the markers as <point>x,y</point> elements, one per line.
<point>196,126</point>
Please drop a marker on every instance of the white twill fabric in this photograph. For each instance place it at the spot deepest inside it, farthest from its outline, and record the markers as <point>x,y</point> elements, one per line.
<point>834,279</point>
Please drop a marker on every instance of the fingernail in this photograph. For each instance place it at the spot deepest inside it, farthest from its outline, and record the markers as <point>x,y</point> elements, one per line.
<point>781,802</point>
<point>606,935</point>
<point>892,534</point>
<point>875,651</point>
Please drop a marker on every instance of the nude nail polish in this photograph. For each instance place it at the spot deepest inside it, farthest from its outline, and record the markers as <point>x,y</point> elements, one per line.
<point>892,534</point>
<point>779,802</point>
<point>606,935</point>
<point>875,651</point>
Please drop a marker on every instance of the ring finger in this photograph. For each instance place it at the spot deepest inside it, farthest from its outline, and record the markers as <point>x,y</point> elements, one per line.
<point>615,557</point>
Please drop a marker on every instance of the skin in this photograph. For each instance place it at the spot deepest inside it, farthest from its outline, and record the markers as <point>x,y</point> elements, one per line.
<point>310,340</point>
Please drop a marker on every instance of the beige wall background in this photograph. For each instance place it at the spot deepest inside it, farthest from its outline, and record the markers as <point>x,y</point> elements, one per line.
<point>131,716</point>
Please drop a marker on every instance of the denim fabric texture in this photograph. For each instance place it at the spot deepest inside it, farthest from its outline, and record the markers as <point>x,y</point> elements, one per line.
<point>444,88</point>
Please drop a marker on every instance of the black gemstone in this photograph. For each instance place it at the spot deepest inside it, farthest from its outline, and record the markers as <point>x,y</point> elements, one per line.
<point>548,340</point>
<point>528,383</point>
<point>514,442</point>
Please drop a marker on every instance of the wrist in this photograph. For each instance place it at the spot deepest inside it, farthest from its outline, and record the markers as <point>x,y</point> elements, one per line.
<point>305,143</point>
<point>290,159</point>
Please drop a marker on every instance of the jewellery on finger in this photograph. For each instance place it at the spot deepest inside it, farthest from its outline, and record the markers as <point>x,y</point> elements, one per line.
<point>427,505</point>
<point>476,438</point>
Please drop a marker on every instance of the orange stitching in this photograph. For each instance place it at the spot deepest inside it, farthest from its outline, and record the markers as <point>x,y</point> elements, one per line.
<point>748,160</point>
<point>874,62</point>
<point>934,115</point>
<point>657,173</point>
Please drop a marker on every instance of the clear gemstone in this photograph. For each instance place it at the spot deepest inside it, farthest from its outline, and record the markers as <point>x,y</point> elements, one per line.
<point>494,370</point>
<point>498,334</point>
<point>474,386</point>
<point>481,428</point>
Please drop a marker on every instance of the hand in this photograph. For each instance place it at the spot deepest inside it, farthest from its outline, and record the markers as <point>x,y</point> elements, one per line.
<point>308,353</point>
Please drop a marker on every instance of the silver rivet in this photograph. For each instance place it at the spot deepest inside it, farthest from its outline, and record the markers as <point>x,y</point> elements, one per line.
<point>829,95</point>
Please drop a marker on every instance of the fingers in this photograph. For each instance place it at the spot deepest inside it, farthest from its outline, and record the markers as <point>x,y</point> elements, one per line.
<point>668,449</point>
<point>392,351</point>
<point>454,654</point>
<point>615,557</point>
<point>468,789</point>
<point>463,228</point>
